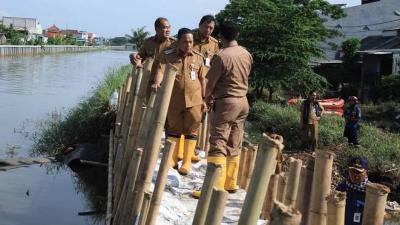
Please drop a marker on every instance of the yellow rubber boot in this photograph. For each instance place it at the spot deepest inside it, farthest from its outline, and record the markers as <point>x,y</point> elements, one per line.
<point>174,160</point>
<point>232,170</point>
<point>220,182</point>
<point>190,145</point>
<point>181,147</point>
<point>196,157</point>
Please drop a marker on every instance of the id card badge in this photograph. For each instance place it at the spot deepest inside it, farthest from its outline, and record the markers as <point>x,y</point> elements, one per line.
<point>208,62</point>
<point>192,75</point>
<point>357,218</point>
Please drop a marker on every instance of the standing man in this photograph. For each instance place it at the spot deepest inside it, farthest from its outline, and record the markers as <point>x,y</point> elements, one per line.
<point>225,95</point>
<point>184,112</point>
<point>311,112</point>
<point>352,116</point>
<point>208,47</point>
<point>156,44</point>
<point>203,41</point>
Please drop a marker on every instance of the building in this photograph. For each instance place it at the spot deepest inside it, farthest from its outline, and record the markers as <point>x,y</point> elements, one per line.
<point>377,24</point>
<point>31,25</point>
<point>3,39</point>
<point>372,18</point>
<point>53,31</point>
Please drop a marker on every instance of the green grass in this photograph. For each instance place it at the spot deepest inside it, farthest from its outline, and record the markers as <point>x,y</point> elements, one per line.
<point>84,123</point>
<point>382,149</point>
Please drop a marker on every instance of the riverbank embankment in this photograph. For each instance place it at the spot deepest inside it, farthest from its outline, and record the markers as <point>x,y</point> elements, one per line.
<point>31,50</point>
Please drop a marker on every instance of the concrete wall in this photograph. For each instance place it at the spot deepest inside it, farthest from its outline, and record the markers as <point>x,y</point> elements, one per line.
<point>20,50</point>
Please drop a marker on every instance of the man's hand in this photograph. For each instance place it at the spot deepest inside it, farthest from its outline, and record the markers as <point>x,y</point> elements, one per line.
<point>155,87</point>
<point>134,58</point>
<point>204,107</point>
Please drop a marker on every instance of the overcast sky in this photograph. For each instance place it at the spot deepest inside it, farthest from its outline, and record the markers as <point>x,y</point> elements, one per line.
<point>117,17</point>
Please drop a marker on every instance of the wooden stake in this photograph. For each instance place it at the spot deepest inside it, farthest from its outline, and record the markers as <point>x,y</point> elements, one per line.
<point>265,167</point>
<point>321,187</point>
<point>211,177</point>
<point>215,213</point>
<point>160,183</point>
<point>152,147</point>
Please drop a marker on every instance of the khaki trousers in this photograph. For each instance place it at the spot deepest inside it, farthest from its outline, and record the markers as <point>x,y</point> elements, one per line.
<point>184,121</point>
<point>227,126</point>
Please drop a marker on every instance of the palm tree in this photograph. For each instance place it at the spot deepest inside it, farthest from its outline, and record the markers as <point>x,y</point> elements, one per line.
<point>138,36</point>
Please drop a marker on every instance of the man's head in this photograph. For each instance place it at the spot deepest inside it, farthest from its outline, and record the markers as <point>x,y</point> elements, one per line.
<point>353,100</point>
<point>162,27</point>
<point>358,169</point>
<point>185,40</point>
<point>207,25</point>
<point>228,32</point>
<point>312,95</point>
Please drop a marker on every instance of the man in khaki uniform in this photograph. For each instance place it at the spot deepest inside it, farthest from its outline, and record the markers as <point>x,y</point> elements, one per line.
<point>184,112</point>
<point>226,89</point>
<point>154,45</point>
<point>208,47</point>
<point>311,112</point>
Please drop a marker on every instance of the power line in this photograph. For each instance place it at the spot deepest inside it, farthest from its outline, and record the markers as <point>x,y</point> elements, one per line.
<point>363,25</point>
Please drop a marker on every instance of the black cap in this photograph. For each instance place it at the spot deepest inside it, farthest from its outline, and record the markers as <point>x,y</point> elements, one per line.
<point>359,163</point>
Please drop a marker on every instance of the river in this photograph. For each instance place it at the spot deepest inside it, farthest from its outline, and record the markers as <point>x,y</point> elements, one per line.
<point>31,88</point>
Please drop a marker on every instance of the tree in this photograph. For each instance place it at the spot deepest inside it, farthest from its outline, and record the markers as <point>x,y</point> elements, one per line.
<point>283,36</point>
<point>138,37</point>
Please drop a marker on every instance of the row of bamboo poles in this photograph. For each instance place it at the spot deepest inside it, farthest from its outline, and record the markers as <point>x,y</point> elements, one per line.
<point>302,195</point>
<point>25,50</point>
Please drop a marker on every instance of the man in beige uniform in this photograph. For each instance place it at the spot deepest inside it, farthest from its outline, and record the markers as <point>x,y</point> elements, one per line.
<point>153,46</point>
<point>226,89</point>
<point>208,47</point>
<point>310,114</point>
<point>184,112</point>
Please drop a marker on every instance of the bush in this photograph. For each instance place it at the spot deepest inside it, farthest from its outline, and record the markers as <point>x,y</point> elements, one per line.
<point>83,124</point>
<point>390,88</point>
<point>381,148</point>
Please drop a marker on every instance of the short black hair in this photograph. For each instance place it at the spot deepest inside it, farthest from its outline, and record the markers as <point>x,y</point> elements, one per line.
<point>207,19</point>
<point>312,92</point>
<point>184,31</point>
<point>229,31</point>
<point>158,21</point>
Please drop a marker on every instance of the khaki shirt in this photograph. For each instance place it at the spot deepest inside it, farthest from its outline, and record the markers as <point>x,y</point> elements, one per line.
<point>207,48</point>
<point>229,73</point>
<point>152,47</point>
<point>187,89</point>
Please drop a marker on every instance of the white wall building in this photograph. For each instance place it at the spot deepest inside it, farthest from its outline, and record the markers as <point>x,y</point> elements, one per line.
<point>31,25</point>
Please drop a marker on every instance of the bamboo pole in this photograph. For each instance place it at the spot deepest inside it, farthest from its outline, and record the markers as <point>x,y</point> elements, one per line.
<point>204,128</point>
<point>293,182</point>
<point>321,187</point>
<point>265,167</point>
<point>109,176</point>
<point>136,159</point>
<point>336,208</point>
<point>211,177</point>
<point>152,147</point>
<point>271,196</point>
<point>215,212</point>
<point>242,167</point>
<point>122,167</point>
<point>300,191</point>
<point>282,186</point>
<point>375,202</point>
<point>145,208</point>
<point>251,164</point>
<point>160,183</point>
<point>304,203</point>
<point>126,199</point>
<point>284,215</point>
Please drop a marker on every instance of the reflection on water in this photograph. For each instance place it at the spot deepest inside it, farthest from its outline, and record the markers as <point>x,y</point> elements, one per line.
<point>30,89</point>
<point>38,195</point>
